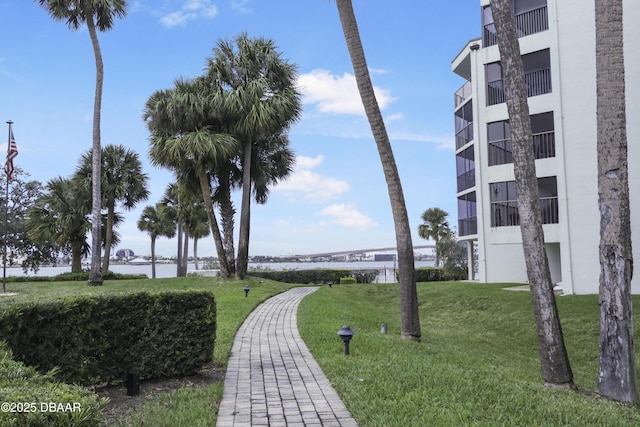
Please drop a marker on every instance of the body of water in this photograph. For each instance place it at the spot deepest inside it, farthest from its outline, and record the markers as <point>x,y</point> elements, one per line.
<point>385,268</point>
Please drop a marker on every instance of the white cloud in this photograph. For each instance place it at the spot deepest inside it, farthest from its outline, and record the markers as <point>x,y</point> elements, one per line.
<point>191,10</point>
<point>240,6</point>
<point>348,216</point>
<point>337,94</point>
<point>309,186</point>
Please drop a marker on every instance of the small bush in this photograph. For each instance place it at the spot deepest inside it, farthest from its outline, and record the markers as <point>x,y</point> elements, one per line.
<point>101,338</point>
<point>348,280</point>
<point>72,277</point>
<point>30,397</point>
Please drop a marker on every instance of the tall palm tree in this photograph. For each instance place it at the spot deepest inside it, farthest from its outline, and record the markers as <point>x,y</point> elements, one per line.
<point>617,376</point>
<point>98,15</point>
<point>435,226</point>
<point>185,137</point>
<point>410,320</point>
<point>59,218</point>
<point>553,353</point>
<point>156,222</point>
<point>261,100</point>
<point>196,225</point>
<point>122,182</point>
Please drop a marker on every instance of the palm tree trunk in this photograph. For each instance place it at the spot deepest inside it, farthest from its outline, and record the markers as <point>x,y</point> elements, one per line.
<point>410,321</point>
<point>179,259</point>
<point>213,223</point>
<point>556,369</point>
<point>617,378</point>
<point>185,254</point>
<point>195,253</point>
<point>245,214</point>
<point>76,258</point>
<point>153,256</point>
<point>95,277</point>
<point>227,213</point>
<point>108,237</point>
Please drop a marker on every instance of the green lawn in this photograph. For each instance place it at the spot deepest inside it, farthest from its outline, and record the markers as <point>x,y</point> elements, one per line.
<point>477,363</point>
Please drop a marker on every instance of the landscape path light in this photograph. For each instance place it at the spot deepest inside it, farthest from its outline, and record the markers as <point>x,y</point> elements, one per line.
<point>345,334</point>
<point>246,290</point>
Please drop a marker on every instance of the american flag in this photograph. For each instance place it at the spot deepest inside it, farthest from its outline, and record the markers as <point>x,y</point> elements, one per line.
<point>12,152</point>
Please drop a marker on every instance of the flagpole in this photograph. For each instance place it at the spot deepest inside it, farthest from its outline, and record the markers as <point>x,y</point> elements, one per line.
<point>6,214</point>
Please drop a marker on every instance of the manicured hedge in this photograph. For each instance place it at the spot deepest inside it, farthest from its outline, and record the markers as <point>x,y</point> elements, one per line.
<point>348,280</point>
<point>316,276</point>
<point>102,338</point>
<point>31,399</point>
<point>435,274</point>
<point>71,277</point>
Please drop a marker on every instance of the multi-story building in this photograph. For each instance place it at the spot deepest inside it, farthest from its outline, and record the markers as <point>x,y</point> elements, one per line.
<point>557,42</point>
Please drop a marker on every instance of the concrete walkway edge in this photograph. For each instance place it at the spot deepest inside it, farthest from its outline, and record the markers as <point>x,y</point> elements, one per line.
<point>272,379</point>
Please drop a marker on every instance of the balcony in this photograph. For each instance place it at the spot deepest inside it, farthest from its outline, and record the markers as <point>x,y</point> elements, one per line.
<point>468,226</point>
<point>538,83</point>
<point>464,136</point>
<point>466,180</point>
<point>505,213</point>
<point>544,147</point>
<point>530,22</point>
<point>462,94</point>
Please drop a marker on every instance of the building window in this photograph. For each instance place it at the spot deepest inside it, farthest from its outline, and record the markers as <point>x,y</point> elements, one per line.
<point>464,124</point>
<point>537,76</point>
<point>499,139</point>
<point>467,216</point>
<point>530,18</point>
<point>504,202</point>
<point>465,169</point>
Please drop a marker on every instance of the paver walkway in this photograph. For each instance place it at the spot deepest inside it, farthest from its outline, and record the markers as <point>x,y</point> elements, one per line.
<point>272,379</point>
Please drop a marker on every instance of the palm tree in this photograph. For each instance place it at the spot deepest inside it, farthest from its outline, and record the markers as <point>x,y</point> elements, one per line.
<point>617,378</point>
<point>410,320</point>
<point>98,15</point>
<point>435,226</point>
<point>122,182</point>
<point>260,100</point>
<point>156,222</point>
<point>556,369</point>
<point>59,218</point>
<point>185,137</point>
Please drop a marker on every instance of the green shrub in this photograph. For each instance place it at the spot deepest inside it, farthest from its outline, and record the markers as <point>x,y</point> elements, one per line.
<point>101,338</point>
<point>76,276</point>
<point>38,400</point>
<point>437,274</point>
<point>348,280</point>
<point>316,276</point>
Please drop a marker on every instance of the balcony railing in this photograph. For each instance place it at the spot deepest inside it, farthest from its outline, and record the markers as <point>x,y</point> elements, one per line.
<point>531,22</point>
<point>466,180</point>
<point>505,214</point>
<point>538,83</point>
<point>468,226</point>
<point>544,146</point>
<point>462,94</point>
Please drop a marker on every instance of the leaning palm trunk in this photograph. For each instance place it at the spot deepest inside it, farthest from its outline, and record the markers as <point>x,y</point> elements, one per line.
<point>245,215</point>
<point>213,223</point>
<point>95,276</point>
<point>410,321</point>
<point>617,377</point>
<point>553,354</point>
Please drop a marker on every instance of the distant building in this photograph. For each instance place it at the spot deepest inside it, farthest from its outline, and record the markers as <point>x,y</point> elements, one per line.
<point>384,257</point>
<point>125,253</point>
<point>557,41</point>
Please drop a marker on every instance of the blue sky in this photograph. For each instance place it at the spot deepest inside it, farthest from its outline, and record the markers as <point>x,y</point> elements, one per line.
<point>337,198</point>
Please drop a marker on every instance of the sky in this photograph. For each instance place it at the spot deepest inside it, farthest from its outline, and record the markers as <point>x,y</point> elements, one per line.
<point>336,199</point>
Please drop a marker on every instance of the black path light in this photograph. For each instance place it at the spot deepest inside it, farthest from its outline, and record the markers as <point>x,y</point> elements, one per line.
<point>345,334</point>
<point>246,290</point>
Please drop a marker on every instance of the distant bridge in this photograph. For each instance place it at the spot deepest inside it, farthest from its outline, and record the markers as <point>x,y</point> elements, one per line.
<point>356,251</point>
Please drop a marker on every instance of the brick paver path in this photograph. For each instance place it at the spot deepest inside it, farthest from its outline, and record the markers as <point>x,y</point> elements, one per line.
<point>272,379</point>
